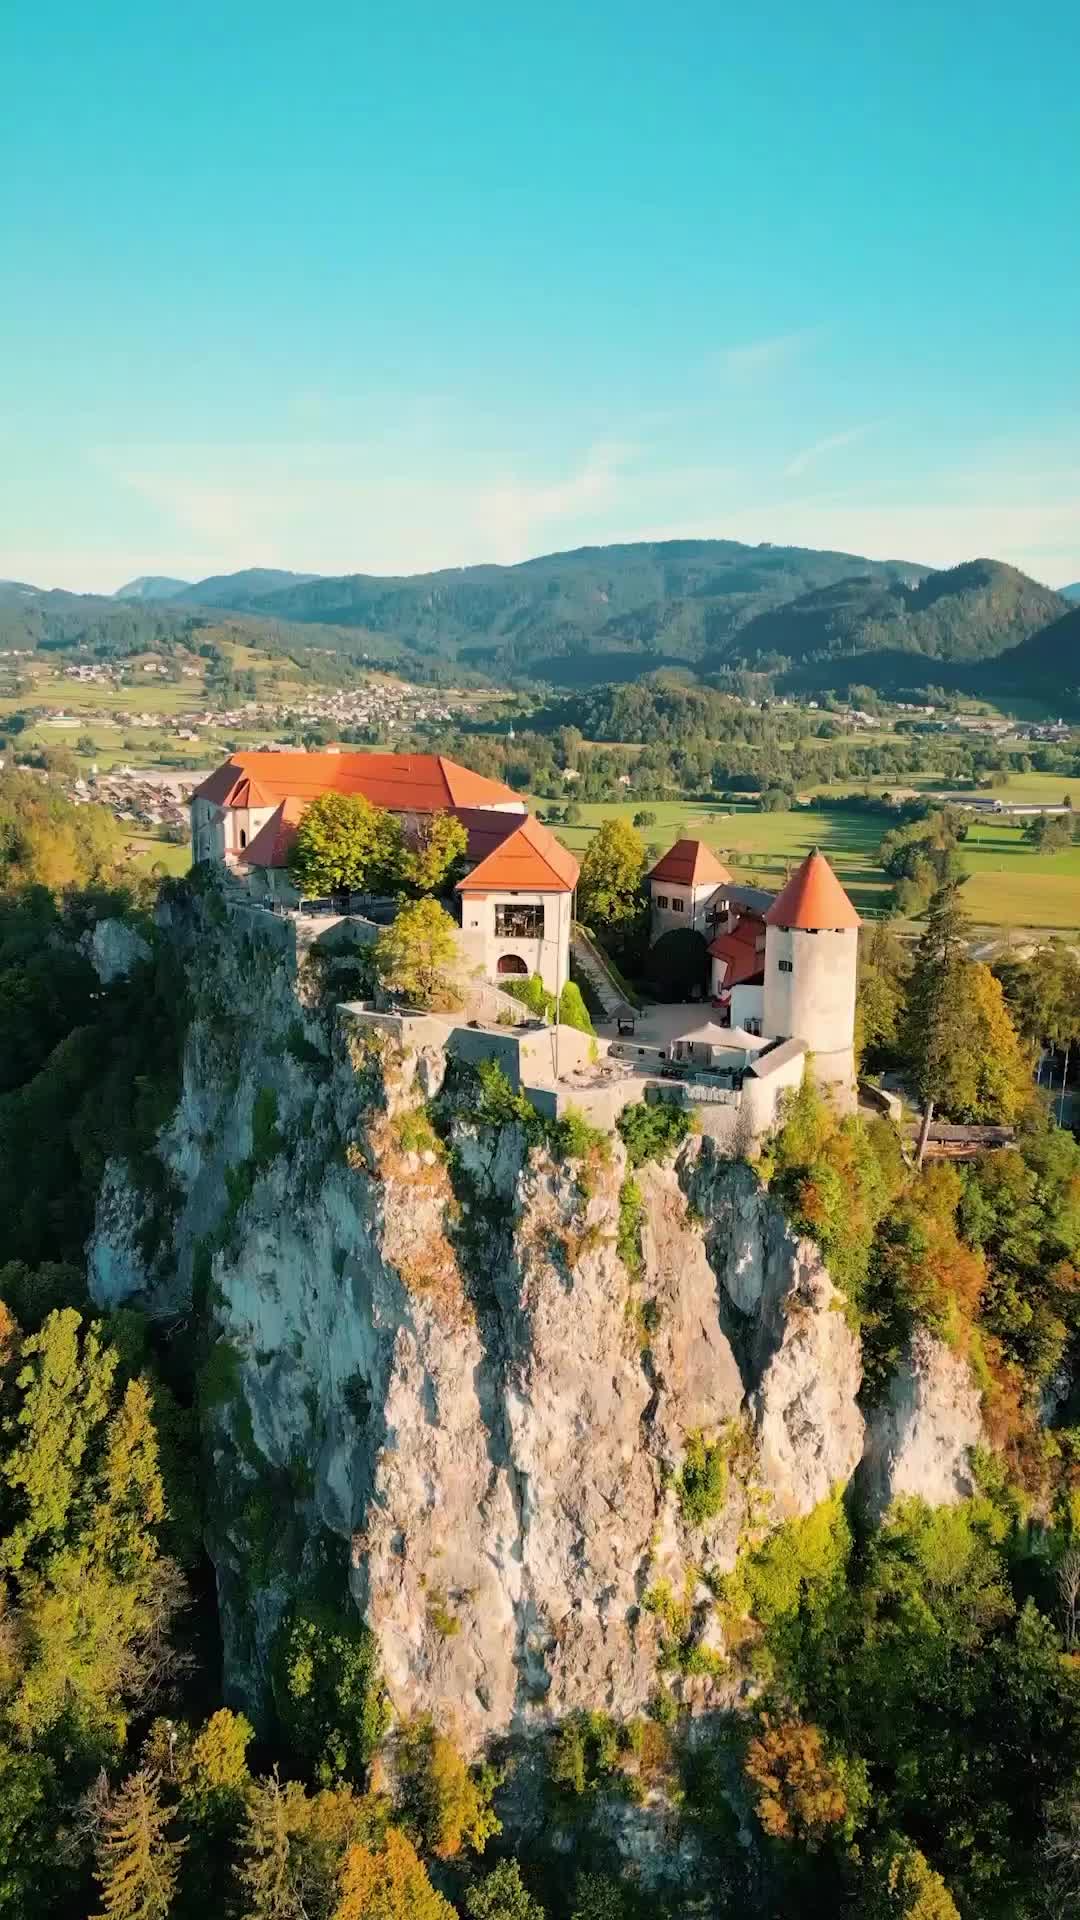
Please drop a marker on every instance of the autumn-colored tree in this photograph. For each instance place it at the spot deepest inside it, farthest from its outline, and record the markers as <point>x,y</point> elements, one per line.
<point>344,843</point>
<point>802,1791</point>
<point>906,1886</point>
<point>389,1883</point>
<point>269,1870</point>
<point>433,856</point>
<point>137,1864</point>
<point>450,1801</point>
<point>418,956</point>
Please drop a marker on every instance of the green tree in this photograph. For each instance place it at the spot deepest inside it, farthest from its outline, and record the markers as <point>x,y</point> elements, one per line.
<point>433,858</point>
<point>611,884</point>
<point>958,1038</point>
<point>935,998</point>
<point>598,1897</point>
<point>879,1007</point>
<point>418,956</point>
<point>328,1691</point>
<point>137,1864</point>
<point>346,844</point>
<point>65,1386</point>
<point>30,1809</point>
<point>572,1009</point>
<point>502,1895</point>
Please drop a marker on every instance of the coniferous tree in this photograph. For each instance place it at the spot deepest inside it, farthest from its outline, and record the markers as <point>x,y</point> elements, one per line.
<point>932,1024</point>
<point>389,1883</point>
<point>268,1876</point>
<point>137,1865</point>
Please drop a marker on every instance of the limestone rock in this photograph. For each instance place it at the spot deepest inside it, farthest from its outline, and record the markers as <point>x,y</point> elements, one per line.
<point>919,1440</point>
<point>809,1426</point>
<point>114,950</point>
<point>433,1363</point>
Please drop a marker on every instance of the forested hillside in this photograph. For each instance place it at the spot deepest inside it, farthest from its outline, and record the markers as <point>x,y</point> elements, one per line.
<point>969,613</point>
<point>598,614</point>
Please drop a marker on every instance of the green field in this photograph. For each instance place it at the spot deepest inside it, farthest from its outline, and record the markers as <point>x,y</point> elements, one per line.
<point>1010,886</point>
<point>148,853</point>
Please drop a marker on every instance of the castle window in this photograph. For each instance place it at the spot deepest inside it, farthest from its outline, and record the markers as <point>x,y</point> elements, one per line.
<point>661,900</point>
<point>519,923</point>
<point>678,904</point>
<point>785,966</point>
<point>243,838</point>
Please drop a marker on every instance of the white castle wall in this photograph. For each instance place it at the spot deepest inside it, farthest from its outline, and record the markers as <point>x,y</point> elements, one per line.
<point>810,996</point>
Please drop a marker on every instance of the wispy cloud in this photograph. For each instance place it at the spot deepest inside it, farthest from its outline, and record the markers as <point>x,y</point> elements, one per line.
<point>753,358</point>
<point>517,512</point>
<point>830,444</point>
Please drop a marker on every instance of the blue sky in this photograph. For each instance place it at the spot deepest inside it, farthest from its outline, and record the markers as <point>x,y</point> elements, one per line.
<point>383,287</point>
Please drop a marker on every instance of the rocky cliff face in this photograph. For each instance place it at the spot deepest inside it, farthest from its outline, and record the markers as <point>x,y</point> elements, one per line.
<point>426,1363</point>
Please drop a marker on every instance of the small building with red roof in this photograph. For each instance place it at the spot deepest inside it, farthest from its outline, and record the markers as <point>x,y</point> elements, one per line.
<point>780,965</point>
<point>681,886</point>
<point>517,893</point>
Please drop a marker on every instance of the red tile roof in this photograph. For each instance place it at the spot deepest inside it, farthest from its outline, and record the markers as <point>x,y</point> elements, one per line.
<point>813,899</point>
<point>740,949</point>
<point>404,782</point>
<point>690,863</point>
<point>529,860</point>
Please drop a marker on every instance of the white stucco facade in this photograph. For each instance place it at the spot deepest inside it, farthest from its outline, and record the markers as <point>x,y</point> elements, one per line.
<point>675,905</point>
<point>809,995</point>
<point>509,936</point>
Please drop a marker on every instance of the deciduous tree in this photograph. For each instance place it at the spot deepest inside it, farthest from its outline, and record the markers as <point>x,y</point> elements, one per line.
<point>346,844</point>
<point>433,857</point>
<point>418,956</point>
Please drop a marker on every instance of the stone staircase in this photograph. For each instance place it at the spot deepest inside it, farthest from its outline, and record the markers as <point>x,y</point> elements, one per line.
<point>592,966</point>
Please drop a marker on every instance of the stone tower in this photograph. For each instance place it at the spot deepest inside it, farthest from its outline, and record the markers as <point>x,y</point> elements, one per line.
<point>811,957</point>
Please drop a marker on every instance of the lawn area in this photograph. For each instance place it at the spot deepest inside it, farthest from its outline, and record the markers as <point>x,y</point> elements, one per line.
<point>146,853</point>
<point>1010,886</point>
<point>760,848</point>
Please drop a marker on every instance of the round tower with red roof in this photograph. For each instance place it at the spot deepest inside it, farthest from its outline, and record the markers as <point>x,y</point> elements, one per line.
<point>811,960</point>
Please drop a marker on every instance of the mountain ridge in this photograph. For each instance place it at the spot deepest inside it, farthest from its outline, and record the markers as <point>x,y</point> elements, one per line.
<point>809,618</point>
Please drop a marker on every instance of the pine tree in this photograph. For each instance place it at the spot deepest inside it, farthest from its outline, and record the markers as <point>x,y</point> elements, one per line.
<point>268,1871</point>
<point>131,1499</point>
<point>934,1004</point>
<point>137,1865</point>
